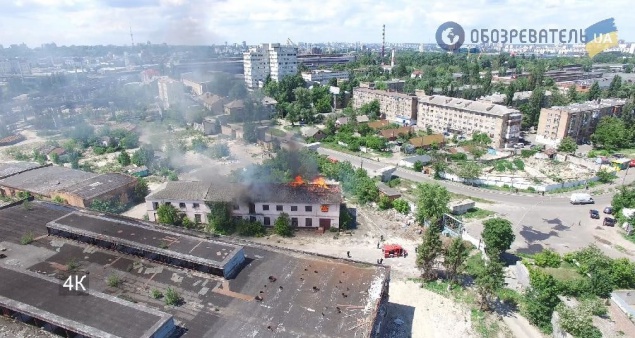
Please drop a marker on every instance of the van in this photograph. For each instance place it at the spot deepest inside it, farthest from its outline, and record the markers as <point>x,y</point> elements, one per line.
<point>581,199</point>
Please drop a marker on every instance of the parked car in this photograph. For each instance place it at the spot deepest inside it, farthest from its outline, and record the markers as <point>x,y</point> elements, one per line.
<point>594,214</point>
<point>632,164</point>
<point>619,155</point>
<point>608,222</point>
<point>608,210</point>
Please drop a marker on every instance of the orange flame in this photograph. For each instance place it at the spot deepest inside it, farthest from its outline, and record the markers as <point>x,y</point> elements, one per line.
<point>297,181</point>
<point>320,183</point>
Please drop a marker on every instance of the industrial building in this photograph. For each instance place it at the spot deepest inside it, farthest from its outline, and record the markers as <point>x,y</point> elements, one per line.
<point>171,92</point>
<point>324,75</point>
<point>270,59</point>
<point>32,297</point>
<point>311,204</point>
<point>328,297</point>
<point>76,187</point>
<point>577,120</point>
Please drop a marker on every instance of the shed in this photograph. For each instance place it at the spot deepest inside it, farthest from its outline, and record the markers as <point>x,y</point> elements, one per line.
<point>387,191</point>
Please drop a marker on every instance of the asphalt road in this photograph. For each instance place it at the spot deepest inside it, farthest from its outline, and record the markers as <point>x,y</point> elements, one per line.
<point>547,201</point>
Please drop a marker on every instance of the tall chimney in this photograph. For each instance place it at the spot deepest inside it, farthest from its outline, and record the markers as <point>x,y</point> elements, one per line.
<point>392,59</point>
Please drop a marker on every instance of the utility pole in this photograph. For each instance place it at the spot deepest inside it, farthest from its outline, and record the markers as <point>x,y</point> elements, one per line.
<point>383,42</point>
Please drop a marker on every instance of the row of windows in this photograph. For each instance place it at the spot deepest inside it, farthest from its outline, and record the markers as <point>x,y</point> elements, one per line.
<point>155,205</point>
<point>265,207</point>
<point>308,222</point>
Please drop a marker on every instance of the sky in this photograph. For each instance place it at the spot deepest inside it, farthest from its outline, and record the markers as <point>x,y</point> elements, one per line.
<point>206,22</point>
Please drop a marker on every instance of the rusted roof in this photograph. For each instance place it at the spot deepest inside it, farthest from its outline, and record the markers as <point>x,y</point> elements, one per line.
<point>427,140</point>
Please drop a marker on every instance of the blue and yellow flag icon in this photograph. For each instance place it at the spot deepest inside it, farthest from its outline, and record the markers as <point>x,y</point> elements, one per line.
<point>600,37</point>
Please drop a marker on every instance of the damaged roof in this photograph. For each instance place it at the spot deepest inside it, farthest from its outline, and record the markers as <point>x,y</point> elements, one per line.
<point>99,185</point>
<point>182,191</point>
<point>12,168</point>
<point>46,180</point>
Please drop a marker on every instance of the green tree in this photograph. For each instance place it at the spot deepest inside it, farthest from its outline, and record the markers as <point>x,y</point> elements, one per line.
<point>429,251</point>
<point>497,235</point>
<point>250,134</point>
<point>594,92</point>
<point>470,170</point>
<point>572,94</point>
<point>143,156</point>
<point>123,158</point>
<point>605,176</point>
<point>220,218</point>
<point>610,134</point>
<point>401,205</point>
<point>481,139</point>
<point>55,158</point>
<point>384,203</point>
<point>615,86</point>
<point>168,214</point>
<point>140,190</point>
<point>454,258</point>
<point>568,145</point>
<point>282,225</point>
<point>623,273</point>
<point>329,126</point>
<point>418,166</point>
<point>541,299</point>
<point>432,202</point>
<point>489,278</point>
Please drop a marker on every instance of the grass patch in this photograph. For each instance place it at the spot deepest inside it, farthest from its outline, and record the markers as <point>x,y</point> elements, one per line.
<point>456,196</point>
<point>620,248</point>
<point>113,281</point>
<point>172,297</point>
<point>477,213</point>
<point>373,155</point>
<point>483,327</point>
<point>156,294</point>
<point>277,132</point>
<point>563,273</point>
<point>630,238</point>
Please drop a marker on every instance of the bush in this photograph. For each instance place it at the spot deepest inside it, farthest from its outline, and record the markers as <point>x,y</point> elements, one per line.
<point>250,228</point>
<point>172,297</point>
<point>526,153</point>
<point>418,166</point>
<point>384,203</point>
<point>401,205</point>
<point>458,157</point>
<point>509,296</point>
<point>548,258</point>
<point>27,238</point>
<point>575,288</point>
<point>156,294</point>
<point>113,281</point>
<point>282,225</point>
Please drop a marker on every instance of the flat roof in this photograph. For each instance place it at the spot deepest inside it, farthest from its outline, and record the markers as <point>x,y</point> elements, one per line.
<point>12,168</point>
<point>46,180</point>
<point>15,221</point>
<point>97,186</point>
<point>149,237</point>
<point>92,315</point>
<point>481,107</point>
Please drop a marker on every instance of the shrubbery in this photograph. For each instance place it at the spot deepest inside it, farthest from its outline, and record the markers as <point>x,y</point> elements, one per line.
<point>547,258</point>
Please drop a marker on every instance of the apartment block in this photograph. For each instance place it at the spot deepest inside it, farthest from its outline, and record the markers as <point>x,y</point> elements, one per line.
<point>395,107</point>
<point>447,114</point>
<point>577,120</point>
<point>269,59</point>
<point>324,75</point>
<point>171,92</point>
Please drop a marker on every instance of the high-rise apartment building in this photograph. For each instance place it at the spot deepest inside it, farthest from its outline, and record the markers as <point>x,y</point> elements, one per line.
<point>171,92</point>
<point>577,120</point>
<point>396,107</point>
<point>269,59</point>
<point>466,117</point>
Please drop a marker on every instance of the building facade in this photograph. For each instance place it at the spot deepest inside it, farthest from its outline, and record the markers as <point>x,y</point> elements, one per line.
<point>269,59</point>
<point>171,92</point>
<point>308,205</point>
<point>577,120</point>
<point>324,75</point>
<point>447,114</point>
<point>395,107</point>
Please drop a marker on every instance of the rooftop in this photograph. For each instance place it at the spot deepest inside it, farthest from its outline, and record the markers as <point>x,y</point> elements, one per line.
<point>383,92</point>
<point>343,303</point>
<point>427,140</point>
<point>303,194</point>
<point>466,105</point>
<point>99,185</point>
<point>149,237</point>
<point>235,104</point>
<point>182,191</point>
<point>378,124</point>
<point>421,158</point>
<point>589,105</point>
<point>395,132</point>
<point>12,168</point>
<point>386,190</point>
<point>46,180</point>
<point>93,315</point>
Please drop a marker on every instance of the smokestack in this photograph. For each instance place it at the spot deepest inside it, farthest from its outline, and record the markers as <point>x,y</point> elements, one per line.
<point>383,41</point>
<point>392,59</point>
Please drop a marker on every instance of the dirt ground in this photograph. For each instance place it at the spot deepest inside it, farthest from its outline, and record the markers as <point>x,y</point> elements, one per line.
<point>12,329</point>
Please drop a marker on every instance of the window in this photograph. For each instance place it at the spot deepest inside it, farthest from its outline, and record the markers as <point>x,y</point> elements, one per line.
<point>265,207</point>
<point>308,222</point>
<point>168,203</point>
<point>197,218</point>
<point>294,222</point>
<point>182,205</point>
<point>294,208</point>
<point>308,208</point>
<point>195,205</point>
<point>252,218</point>
<point>267,221</point>
<point>278,208</point>
<point>155,205</point>
<point>236,207</point>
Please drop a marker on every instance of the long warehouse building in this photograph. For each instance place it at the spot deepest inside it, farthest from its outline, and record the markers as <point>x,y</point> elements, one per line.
<point>140,239</point>
<point>29,296</point>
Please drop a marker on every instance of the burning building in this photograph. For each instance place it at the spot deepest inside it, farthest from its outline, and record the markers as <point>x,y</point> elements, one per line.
<point>309,203</point>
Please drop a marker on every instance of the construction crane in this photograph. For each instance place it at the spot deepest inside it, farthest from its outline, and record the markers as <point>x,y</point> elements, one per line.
<point>290,43</point>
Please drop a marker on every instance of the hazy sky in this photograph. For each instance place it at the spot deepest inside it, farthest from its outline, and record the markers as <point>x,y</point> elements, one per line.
<point>82,22</point>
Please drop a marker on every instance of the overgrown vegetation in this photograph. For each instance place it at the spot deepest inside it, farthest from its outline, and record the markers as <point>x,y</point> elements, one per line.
<point>172,297</point>
<point>114,281</point>
<point>27,238</point>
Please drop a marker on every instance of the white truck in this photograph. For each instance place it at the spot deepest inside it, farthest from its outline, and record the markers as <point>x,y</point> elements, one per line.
<point>581,198</point>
